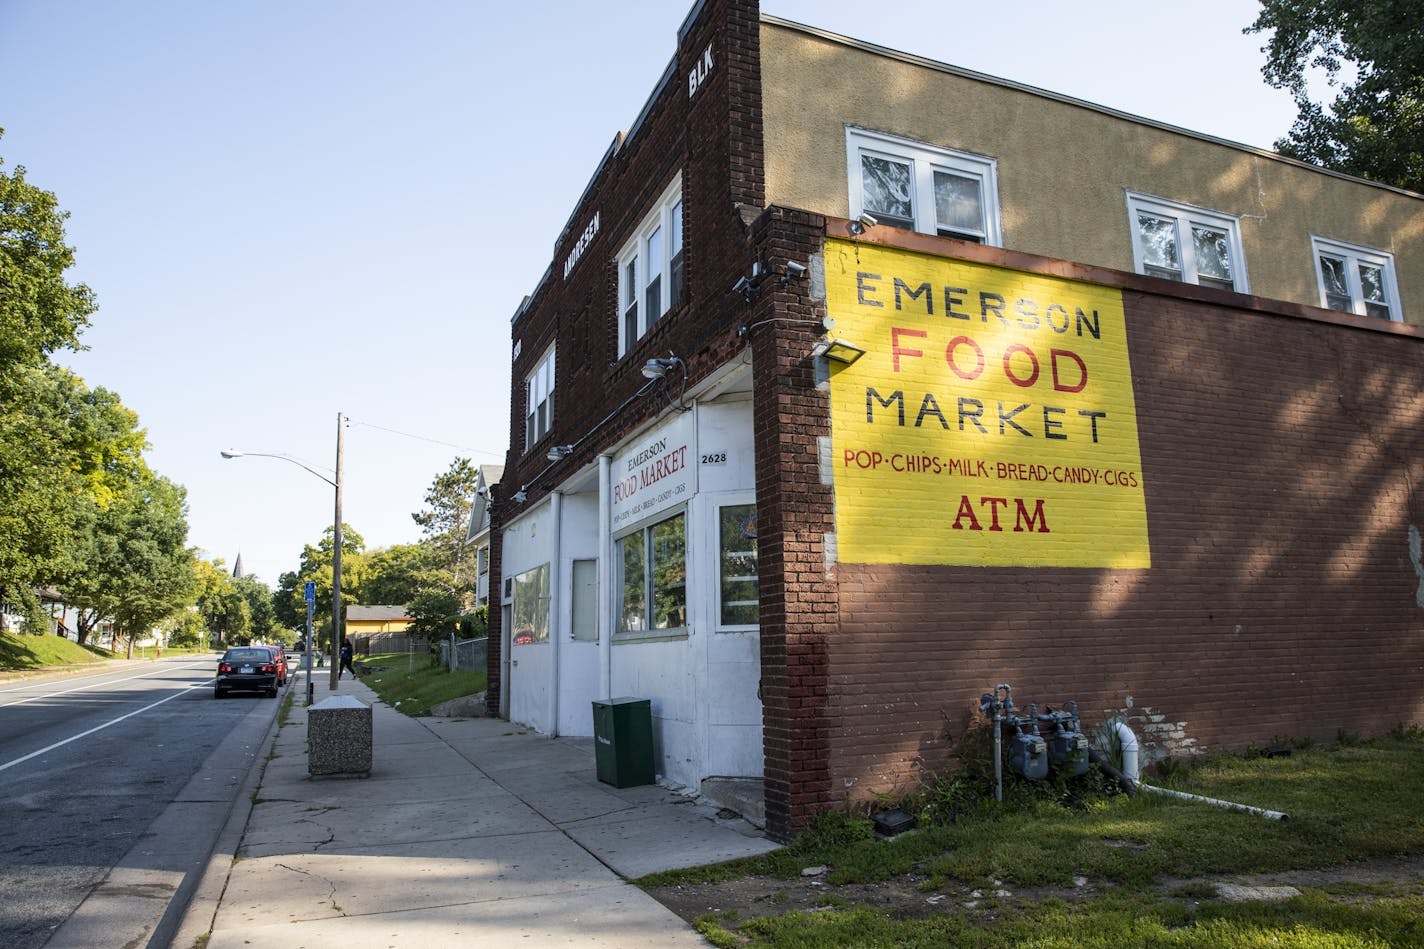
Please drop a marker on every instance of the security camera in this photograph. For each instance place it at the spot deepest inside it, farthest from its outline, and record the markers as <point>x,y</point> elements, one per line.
<point>741,285</point>
<point>793,269</point>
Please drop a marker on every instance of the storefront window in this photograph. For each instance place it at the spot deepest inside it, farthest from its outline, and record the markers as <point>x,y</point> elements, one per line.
<point>633,613</point>
<point>737,565</point>
<point>654,578</point>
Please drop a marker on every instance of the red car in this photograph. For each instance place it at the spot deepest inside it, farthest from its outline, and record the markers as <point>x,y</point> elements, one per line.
<point>279,656</point>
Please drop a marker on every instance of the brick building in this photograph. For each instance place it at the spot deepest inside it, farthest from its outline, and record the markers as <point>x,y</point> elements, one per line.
<point>859,383</point>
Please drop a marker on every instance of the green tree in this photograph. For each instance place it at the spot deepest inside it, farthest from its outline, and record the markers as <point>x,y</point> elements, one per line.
<point>1374,127</point>
<point>446,516</point>
<point>222,606</point>
<point>66,453</point>
<point>258,597</point>
<point>141,553</point>
<point>40,476</point>
<point>435,612</point>
<point>39,312</point>
<point>393,575</point>
<point>288,606</point>
<point>445,591</point>
<point>185,628</point>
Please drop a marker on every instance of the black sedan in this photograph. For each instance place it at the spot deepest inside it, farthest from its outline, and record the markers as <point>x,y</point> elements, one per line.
<point>246,669</point>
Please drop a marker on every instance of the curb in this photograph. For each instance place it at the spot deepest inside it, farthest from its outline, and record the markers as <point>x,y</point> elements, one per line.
<point>200,901</point>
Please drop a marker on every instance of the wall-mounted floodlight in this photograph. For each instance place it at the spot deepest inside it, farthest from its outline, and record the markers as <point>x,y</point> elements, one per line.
<point>838,350</point>
<point>658,368</point>
<point>559,452</point>
<point>863,223</point>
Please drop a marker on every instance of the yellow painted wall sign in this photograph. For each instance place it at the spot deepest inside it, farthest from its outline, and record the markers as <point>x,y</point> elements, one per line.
<point>991,421</point>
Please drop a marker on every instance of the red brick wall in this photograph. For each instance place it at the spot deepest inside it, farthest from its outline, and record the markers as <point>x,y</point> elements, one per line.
<point>799,607</point>
<point>1283,450</point>
<point>716,147</point>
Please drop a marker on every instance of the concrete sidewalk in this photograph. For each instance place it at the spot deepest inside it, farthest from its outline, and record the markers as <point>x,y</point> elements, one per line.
<point>468,831</point>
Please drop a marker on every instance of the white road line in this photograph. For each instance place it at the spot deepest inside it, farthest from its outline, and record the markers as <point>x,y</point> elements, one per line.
<point>92,685</point>
<point>96,728</point>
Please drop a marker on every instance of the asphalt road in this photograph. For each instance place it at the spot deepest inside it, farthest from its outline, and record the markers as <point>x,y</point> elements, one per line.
<point>114,787</point>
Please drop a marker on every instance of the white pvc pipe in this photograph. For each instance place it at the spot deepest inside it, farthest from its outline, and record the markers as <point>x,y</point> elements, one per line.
<point>1128,740</point>
<point>1273,815</point>
<point>1131,771</point>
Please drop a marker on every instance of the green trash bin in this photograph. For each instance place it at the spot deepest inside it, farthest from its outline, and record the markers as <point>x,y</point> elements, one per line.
<point>623,741</point>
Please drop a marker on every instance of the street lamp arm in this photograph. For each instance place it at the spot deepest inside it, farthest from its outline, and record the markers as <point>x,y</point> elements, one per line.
<point>336,627</point>
<point>234,453</point>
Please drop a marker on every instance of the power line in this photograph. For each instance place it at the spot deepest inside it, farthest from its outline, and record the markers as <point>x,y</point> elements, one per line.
<point>433,441</point>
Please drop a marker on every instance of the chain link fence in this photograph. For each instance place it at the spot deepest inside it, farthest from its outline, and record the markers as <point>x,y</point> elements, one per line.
<point>464,653</point>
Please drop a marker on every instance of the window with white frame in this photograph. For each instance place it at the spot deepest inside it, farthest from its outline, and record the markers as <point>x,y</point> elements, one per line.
<point>531,607</point>
<point>1356,279</point>
<point>738,596</point>
<point>1181,242</point>
<point>921,187</point>
<point>650,269</point>
<point>539,401</point>
<point>652,574</point>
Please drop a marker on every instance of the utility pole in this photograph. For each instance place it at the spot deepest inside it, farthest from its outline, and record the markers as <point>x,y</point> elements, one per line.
<point>336,565</point>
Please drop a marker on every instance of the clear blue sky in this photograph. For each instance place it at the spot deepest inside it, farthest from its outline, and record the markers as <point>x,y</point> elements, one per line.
<point>290,208</point>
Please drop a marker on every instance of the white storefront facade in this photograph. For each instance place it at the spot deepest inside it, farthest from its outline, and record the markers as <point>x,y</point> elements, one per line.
<point>636,577</point>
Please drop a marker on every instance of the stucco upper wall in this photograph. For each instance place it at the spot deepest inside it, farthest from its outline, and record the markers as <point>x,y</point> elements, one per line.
<point>1064,169</point>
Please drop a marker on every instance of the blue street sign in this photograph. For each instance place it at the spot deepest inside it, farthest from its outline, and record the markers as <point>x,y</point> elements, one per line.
<point>309,593</point>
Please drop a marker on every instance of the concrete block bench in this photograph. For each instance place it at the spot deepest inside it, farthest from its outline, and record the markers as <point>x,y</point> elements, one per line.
<point>339,737</point>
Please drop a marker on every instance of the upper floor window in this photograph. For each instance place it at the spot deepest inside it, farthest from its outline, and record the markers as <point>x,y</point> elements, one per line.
<point>1356,279</point>
<point>539,400</point>
<point>1180,242</point>
<point>923,188</point>
<point>650,269</point>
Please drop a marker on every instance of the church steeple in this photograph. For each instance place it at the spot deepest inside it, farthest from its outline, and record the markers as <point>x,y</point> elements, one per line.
<point>237,567</point>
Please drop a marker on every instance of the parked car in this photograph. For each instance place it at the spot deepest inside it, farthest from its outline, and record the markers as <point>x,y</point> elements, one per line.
<point>246,669</point>
<point>279,655</point>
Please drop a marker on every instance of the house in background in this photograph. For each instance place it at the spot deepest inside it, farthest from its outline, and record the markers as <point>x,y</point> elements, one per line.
<point>377,629</point>
<point>860,383</point>
<point>477,536</point>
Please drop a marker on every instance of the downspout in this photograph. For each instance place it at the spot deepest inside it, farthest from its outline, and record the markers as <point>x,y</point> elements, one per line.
<point>556,586</point>
<point>605,576</point>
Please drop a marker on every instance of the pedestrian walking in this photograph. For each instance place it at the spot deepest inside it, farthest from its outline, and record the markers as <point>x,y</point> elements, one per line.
<point>346,652</point>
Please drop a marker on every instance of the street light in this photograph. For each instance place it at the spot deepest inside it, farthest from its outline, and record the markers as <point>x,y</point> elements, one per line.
<point>336,543</point>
